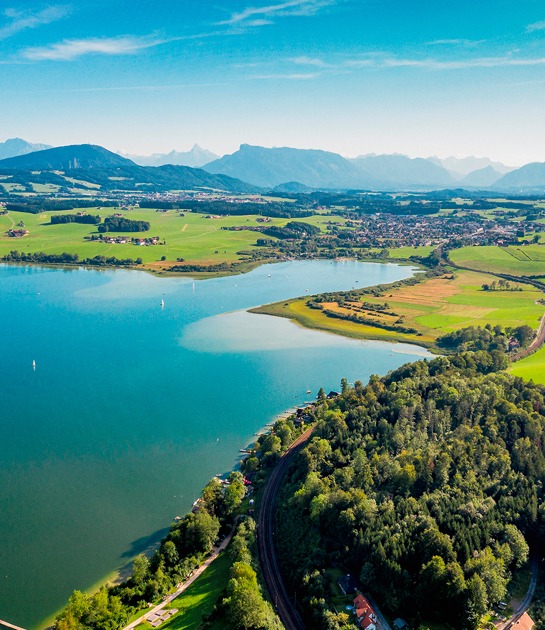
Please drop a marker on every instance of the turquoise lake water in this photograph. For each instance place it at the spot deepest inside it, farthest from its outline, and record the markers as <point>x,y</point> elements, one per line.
<point>132,407</point>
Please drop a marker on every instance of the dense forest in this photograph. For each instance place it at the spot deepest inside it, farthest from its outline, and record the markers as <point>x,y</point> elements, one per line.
<point>92,219</point>
<point>427,484</point>
<point>121,224</point>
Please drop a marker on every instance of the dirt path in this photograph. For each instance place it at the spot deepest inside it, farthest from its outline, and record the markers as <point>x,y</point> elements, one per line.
<point>169,598</point>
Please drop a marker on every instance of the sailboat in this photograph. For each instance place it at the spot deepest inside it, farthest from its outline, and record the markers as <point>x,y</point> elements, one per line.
<point>162,304</point>
<point>33,364</point>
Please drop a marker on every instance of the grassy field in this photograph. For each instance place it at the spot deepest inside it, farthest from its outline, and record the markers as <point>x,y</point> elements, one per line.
<point>532,367</point>
<point>403,253</point>
<point>192,237</point>
<point>200,598</point>
<point>528,260</point>
<point>433,307</point>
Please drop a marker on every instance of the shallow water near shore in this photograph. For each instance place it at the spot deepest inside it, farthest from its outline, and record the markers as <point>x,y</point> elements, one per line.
<point>132,407</point>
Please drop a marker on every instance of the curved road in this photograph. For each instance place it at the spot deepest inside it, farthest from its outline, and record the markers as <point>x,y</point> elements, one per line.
<point>525,603</point>
<point>265,540</point>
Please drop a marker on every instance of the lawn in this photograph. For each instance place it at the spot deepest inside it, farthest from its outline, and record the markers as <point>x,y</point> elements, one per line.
<point>527,260</point>
<point>532,367</point>
<point>200,598</point>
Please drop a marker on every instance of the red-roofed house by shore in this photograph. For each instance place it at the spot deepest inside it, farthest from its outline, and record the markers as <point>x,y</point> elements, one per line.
<point>524,623</point>
<point>365,613</point>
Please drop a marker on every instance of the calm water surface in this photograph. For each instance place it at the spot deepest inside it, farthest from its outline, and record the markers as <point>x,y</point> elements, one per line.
<point>132,407</point>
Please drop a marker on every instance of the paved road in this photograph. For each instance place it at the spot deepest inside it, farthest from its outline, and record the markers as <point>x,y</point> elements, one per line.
<point>538,341</point>
<point>265,541</point>
<point>525,603</point>
<point>186,584</point>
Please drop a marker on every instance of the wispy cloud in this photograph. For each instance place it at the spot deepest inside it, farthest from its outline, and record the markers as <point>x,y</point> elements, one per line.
<point>466,43</point>
<point>310,61</point>
<point>260,16</point>
<point>383,60</point>
<point>70,49</point>
<point>536,26</point>
<point>21,21</point>
<point>286,77</point>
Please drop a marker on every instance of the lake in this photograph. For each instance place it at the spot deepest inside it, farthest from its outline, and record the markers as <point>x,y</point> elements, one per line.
<point>132,407</point>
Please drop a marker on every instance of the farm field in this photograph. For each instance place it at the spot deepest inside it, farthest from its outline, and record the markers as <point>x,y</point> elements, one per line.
<point>532,367</point>
<point>192,237</point>
<point>433,307</point>
<point>527,260</point>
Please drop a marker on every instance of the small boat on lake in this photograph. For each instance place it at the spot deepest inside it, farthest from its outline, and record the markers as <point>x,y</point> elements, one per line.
<point>33,364</point>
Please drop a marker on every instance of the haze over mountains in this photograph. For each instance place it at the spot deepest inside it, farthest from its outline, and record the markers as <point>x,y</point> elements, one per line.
<point>253,167</point>
<point>196,158</point>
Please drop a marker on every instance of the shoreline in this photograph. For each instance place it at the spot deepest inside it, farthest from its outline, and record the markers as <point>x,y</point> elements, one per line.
<point>203,275</point>
<point>123,573</point>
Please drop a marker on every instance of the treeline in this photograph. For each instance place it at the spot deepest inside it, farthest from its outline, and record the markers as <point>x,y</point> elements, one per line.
<point>93,219</point>
<point>489,338</point>
<point>42,204</point>
<point>70,259</point>
<point>185,547</point>
<point>222,207</point>
<point>293,229</point>
<point>427,484</point>
<point>122,224</point>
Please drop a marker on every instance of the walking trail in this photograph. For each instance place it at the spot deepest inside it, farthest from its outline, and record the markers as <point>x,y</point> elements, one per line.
<point>169,598</point>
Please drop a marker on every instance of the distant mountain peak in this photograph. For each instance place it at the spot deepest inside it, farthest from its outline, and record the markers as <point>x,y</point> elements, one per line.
<point>13,147</point>
<point>76,156</point>
<point>195,157</point>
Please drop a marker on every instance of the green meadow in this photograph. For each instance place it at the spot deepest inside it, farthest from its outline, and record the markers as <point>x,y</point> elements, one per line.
<point>532,367</point>
<point>192,237</point>
<point>433,307</point>
<point>200,598</point>
<point>527,260</point>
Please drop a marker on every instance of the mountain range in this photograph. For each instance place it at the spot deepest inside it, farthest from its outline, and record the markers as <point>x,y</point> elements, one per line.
<point>87,166</point>
<point>196,158</point>
<point>255,168</point>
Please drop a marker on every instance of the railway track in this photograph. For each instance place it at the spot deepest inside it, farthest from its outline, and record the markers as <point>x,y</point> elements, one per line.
<point>265,541</point>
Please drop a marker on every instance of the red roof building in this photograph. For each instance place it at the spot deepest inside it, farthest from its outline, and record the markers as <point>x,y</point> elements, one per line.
<point>365,613</point>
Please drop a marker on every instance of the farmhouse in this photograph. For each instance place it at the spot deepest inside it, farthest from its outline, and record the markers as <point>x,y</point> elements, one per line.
<point>17,233</point>
<point>365,614</point>
<point>524,623</point>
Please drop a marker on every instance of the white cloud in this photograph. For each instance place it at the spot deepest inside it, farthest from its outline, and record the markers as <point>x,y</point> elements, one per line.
<point>383,60</point>
<point>22,21</point>
<point>70,49</point>
<point>259,16</point>
<point>467,43</point>
<point>309,61</point>
<point>287,76</point>
<point>536,26</point>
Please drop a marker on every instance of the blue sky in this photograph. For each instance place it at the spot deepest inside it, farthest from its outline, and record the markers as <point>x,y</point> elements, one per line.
<point>418,77</point>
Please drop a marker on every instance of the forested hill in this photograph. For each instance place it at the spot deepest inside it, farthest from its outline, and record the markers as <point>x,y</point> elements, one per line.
<point>427,484</point>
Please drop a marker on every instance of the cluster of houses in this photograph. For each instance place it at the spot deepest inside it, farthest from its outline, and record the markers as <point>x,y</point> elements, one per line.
<point>388,230</point>
<point>13,233</point>
<point>123,240</point>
